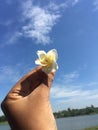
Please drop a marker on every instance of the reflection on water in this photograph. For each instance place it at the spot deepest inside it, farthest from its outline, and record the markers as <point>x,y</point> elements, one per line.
<point>71,123</point>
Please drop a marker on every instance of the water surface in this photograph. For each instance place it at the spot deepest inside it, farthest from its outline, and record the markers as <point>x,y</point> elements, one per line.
<point>71,123</point>
<point>77,123</point>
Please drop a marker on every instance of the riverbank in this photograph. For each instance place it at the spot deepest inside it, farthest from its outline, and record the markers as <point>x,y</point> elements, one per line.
<point>4,123</point>
<point>92,128</point>
<point>76,112</point>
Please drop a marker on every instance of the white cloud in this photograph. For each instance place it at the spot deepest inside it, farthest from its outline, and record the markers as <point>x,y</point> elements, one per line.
<point>95,5</point>
<point>40,20</point>
<point>9,2</point>
<point>92,84</point>
<point>9,74</point>
<point>13,38</point>
<point>69,92</point>
<point>12,73</point>
<point>6,23</point>
<point>71,77</point>
<point>76,102</point>
<point>36,21</point>
<point>71,97</point>
<point>72,2</point>
<point>75,2</point>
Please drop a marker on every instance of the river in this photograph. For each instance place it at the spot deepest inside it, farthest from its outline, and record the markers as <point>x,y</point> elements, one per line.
<point>71,123</point>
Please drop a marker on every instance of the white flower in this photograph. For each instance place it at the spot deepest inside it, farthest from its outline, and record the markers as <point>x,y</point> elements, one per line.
<point>47,60</point>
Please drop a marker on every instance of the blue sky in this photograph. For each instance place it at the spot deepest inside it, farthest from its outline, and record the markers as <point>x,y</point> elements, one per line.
<point>71,27</point>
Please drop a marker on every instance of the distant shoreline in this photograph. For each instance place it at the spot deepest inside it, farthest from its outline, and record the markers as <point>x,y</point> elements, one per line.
<point>4,123</point>
<point>92,128</point>
<point>76,112</point>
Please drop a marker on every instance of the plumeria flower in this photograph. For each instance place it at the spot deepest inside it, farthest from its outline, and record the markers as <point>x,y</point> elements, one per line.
<point>47,60</point>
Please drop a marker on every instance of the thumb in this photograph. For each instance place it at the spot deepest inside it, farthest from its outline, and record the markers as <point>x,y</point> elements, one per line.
<point>51,76</point>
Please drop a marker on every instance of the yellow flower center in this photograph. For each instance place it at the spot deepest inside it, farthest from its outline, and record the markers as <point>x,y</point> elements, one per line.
<point>47,60</point>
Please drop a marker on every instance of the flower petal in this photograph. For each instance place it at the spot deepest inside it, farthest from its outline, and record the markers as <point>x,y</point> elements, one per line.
<point>47,60</point>
<point>41,54</point>
<point>54,53</point>
<point>37,62</point>
<point>55,66</point>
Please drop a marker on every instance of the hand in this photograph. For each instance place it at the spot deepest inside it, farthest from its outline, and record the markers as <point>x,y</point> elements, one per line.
<point>27,105</point>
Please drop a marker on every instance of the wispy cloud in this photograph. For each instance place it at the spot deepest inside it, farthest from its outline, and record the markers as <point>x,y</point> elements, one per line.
<point>8,2</point>
<point>36,21</point>
<point>71,97</point>
<point>95,3</point>
<point>9,74</point>
<point>12,73</point>
<point>72,93</point>
<point>13,38</point>
<point>91,84</point>
<point>40,20</point>
<point>6,23</point>
<point>72,2</point>
<point>77,101</point>
<point>71,77</point>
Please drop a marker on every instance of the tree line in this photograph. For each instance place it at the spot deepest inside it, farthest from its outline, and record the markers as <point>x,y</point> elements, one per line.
<point>3,118</point>
<point>76,112</point>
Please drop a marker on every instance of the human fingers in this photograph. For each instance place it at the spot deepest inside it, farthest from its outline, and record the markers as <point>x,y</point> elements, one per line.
<point>51,76</point>
<point>24,85</point>
<point>31,81</point>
